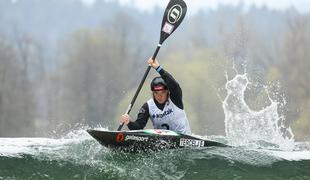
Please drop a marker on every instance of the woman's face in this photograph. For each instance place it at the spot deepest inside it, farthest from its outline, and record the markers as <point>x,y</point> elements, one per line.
<point>161,96</point>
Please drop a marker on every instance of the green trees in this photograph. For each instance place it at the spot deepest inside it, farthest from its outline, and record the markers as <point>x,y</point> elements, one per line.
<point>97,67</point>
<point>17,87</point>
<point>294,69</point>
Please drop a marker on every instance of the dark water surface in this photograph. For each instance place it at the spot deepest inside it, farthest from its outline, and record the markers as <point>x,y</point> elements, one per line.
<point>81,157</point>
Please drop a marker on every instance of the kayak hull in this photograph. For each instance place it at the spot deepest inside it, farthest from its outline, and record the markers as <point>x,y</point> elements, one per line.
<point>149,140</point>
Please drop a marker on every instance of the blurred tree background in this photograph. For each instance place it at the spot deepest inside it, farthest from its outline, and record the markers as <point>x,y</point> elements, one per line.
<point>65,64</point>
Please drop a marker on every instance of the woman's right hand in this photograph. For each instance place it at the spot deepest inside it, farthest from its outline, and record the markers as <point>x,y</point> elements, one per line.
<point>125,118</point>
<point>153,62</point>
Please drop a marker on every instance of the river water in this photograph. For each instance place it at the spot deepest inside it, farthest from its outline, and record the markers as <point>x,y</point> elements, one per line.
<point>263,148</point>
<point>81,157</point>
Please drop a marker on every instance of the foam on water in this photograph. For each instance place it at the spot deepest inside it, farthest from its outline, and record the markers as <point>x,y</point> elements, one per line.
<point>244,125</point>
<point>73,147</point>
<point>290,155</point>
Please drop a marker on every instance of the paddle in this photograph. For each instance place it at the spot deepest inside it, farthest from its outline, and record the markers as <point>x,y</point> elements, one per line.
<point>173,16</point>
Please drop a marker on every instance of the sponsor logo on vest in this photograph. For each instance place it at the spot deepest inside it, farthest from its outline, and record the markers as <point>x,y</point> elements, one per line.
<point>120,137</point>
<point>136,138</point>
<point>191,143</point>
<point>169,111</point>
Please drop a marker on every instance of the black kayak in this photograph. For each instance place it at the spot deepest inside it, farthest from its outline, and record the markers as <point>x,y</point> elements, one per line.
<point>149,140</point>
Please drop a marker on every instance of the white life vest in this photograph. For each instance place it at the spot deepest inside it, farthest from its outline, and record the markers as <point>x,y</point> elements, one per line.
<point>171,117</point>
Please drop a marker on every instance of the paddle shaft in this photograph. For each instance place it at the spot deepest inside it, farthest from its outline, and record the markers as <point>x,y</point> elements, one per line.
<point>140,86</point>
<point>173,16</point>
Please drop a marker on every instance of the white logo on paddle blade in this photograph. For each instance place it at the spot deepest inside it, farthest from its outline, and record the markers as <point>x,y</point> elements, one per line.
<point>174,14</point>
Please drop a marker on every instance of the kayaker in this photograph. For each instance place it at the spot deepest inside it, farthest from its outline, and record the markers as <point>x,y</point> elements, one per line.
<point>165,109</point>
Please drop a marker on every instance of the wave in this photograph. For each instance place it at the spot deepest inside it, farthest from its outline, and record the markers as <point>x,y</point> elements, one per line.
<point>78,156</point>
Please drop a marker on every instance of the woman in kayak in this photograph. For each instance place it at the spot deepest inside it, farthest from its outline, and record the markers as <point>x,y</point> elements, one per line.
<point>165,109</point>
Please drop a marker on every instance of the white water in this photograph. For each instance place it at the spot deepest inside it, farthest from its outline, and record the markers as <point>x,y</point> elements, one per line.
<point>80,148</point>
<point>243,126</point>
<point>56,148</point>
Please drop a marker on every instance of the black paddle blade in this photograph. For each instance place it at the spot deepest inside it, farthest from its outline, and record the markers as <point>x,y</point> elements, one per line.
<point>173,16</point>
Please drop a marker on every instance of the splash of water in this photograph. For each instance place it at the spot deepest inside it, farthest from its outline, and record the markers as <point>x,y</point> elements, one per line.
<point>244,125</point>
